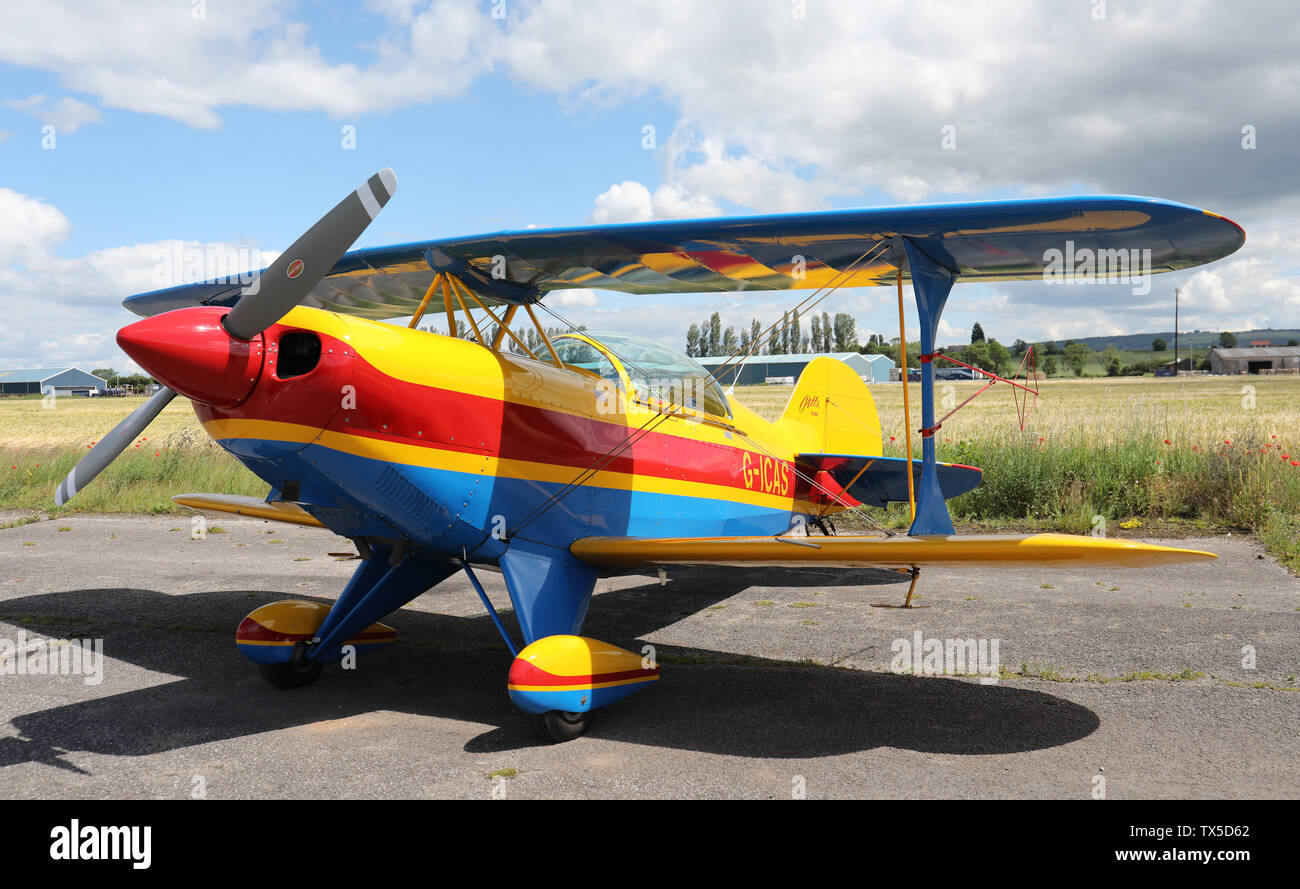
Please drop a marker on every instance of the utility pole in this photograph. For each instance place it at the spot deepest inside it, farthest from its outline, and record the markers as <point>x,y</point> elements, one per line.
<point>1176,292</point>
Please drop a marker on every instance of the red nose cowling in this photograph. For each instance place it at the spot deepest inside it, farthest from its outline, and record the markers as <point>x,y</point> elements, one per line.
<point>189,351</point>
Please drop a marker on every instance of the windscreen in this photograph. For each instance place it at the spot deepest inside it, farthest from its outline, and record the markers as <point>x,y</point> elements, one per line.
<point>664,374</point>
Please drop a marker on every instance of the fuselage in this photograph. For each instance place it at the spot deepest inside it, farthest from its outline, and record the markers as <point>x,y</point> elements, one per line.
<point>401,434</point>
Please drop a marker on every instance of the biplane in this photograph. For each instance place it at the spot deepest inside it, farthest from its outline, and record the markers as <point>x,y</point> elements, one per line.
<point>585,454</point>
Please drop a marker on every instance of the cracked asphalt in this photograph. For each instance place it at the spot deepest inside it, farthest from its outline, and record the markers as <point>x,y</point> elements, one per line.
<point>774,682</point>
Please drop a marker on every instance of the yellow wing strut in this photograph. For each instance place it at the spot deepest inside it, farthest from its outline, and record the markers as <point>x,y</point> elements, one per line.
<point>907,404</point>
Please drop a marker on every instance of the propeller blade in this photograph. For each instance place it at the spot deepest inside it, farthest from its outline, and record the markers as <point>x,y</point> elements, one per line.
<point>289,279</point>
<point>108,447</point>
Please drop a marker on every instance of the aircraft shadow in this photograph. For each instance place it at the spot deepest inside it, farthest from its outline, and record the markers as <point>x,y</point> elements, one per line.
<point>455,668</point>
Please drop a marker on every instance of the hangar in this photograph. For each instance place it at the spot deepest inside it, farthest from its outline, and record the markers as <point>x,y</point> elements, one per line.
<point>40,380</point>
<point>1256,360</point>
<point>758,369</point>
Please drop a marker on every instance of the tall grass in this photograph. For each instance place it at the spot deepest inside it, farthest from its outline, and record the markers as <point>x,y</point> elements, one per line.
<point>141,480</point>
<point>1071,477</point>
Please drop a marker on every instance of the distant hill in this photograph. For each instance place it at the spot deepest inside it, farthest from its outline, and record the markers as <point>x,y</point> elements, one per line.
<point>1199,339</point>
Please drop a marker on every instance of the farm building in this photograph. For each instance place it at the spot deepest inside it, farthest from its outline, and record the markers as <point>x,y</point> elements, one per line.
<point>1271,360</point>
<point>758,369</point>
<point>41,380</point>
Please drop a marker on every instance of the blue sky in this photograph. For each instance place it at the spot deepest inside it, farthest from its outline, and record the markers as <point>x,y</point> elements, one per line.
<point>228,129</point>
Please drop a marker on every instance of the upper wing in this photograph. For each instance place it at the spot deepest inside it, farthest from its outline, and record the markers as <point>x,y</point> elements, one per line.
<point>1001,551</point>
<point>989,241</point>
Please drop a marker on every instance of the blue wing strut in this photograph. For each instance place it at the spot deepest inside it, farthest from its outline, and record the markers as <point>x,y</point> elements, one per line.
<point>931,282</point>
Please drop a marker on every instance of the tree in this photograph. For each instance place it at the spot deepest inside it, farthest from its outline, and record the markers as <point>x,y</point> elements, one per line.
<point>1113,367</point>
<point>1051,348</point>
<point>1227,340</point>
<point>977,354</point>
<point>1293,342</point>
<point>692,341</point>
<point>744,340</point>
<point>1076,356</point>
<point>846,333</point>
<point>1049,365</point>
<point>999,357</point>
<point>875,345</point>
<point>756,335</point>
<point>107,374</point>
<point>977,333</point>
<point>816,333</point>
<point>729,341</point>
<point>1158,345</point>
<point>826,333</point>
<point>1109,356</point>
<point>1019,347</point>
<point>715,334</point>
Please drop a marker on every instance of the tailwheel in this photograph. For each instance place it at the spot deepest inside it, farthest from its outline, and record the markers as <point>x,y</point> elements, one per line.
<point>557,725</point>
<point>291,674</point>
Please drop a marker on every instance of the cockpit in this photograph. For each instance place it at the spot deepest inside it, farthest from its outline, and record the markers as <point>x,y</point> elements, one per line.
<point>649,372</point>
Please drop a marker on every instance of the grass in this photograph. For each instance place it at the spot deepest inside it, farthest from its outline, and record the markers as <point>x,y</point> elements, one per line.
<point>1141,455</point>
<point>38,447</point>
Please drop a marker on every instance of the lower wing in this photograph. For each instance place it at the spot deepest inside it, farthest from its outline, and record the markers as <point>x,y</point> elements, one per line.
<point>276,511</point>
<point>1004,551</point>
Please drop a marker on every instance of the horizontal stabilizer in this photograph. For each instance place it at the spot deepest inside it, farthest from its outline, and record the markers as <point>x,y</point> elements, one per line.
<point>876,481</point>
<point>994,551</point>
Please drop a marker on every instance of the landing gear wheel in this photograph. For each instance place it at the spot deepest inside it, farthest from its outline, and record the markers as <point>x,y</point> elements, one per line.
<point>291,675</point>
<point>557,725</point>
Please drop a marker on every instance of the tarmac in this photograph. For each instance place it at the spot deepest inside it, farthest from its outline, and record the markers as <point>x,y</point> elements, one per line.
<point>1171,682</point>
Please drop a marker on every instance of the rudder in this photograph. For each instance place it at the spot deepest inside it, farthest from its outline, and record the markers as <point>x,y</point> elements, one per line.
<point>831,411</point>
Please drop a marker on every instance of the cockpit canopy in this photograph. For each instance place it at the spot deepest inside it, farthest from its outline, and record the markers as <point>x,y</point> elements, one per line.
<point>655,372</point>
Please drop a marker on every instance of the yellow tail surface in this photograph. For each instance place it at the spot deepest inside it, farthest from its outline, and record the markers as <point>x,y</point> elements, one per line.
<point>832,412</point>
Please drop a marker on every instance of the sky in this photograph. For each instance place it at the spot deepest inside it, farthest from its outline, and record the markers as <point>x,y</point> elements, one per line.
<point>129,129</point>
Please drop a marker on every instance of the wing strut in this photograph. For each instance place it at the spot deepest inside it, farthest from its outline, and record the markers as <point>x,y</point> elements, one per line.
<point>907,401</point>
<point>931,283</point>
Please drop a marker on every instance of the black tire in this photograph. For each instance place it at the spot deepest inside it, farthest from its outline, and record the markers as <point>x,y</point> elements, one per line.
<point>291,675</point>
<point>558,726</point>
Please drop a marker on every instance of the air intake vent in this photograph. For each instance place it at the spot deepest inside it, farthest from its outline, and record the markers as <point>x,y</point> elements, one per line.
<point>394,486</point>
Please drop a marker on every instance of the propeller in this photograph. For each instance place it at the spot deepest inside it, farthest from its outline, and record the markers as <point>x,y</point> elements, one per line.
<point>108,447</point>
<point>281,286</point>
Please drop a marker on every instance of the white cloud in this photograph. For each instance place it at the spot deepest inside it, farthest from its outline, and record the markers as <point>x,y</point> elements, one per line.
<point>631,201</point>
<point>71,307</point>
<point>161,60</point>
<point>67,114</point>
<point>28,226</point>
<point>578,298</point>
<point>623,202</point>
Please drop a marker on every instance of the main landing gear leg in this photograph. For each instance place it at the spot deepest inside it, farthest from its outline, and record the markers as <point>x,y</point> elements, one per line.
<point>915,572</point>
<point>561,678</point>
